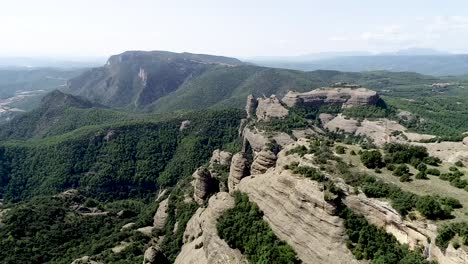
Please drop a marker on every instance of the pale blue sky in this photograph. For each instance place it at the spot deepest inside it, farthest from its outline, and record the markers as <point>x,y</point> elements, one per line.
<point>235,28</point>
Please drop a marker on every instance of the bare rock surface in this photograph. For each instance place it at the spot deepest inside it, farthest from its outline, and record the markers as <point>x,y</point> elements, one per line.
<point>202,245</point>
<point>413,233</point>
<point>345,97</point>
<point>447,151</point>
<point>269,108</point>
<point>120,247</point>
<point>297,213</point>
<point>85,260</point>
<point>153,255</point>
<point>127,226</point>
<point>256,139</point>
<point>264,160</point>
<point>160,217</point>
<point>184,125</point>
<point>221,157</point>
<point>147,230</point>
<point>340,123</point>
<point>237,171</point>
<point>203,184</point>
<point>251,106</point>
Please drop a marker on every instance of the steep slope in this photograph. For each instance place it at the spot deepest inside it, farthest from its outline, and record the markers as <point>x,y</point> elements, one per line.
<point>58,113</point>
<point>137,78</point>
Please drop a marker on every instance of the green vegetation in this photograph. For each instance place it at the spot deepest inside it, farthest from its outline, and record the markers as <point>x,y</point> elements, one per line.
<point>340,150</point>
<point>47,230</point>
<point>128,160</point>
<point>449,231</point>
<point>243,228</point>
<point>179,213</point>
<point>433,207</point>
<point>372,159</point>
<point>369,112</point>
<point>401,170</point>
<point>454,178</point>
<point>369,242</point>
<point>401,153</point>
<point>432,171</point>
<point>307,171</point>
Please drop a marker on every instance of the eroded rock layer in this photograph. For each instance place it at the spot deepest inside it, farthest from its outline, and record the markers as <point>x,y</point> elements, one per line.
<point>202,245</point>
<point>297,213</point>
<point>345,97</point>
<point>237,171</point>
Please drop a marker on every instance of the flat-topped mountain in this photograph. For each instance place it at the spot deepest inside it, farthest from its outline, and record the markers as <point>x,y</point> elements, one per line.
<point>137,78</point>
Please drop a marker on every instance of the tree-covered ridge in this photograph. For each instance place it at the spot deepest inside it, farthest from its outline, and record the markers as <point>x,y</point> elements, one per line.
<point>243,228</point>
<point>49,230</point>
<point>132,159</point>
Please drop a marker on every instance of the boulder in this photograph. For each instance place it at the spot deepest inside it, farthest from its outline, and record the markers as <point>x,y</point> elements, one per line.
<point>153,255</point>
<point>221,157</point>
<point>237,171</point>
<point>184,125</point>
<point>160,217</point>
<point>269,108</point>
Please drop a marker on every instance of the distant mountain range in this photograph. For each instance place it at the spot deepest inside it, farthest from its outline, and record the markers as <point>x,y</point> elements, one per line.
<point>424,61</point>
<point>162,82</point>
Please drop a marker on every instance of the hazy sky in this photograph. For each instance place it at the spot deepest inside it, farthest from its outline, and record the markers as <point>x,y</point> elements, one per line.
<point>236,28</point>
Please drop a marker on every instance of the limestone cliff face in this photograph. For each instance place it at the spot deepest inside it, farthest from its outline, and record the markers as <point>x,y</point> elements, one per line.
<point>269,108</point>
<point>237,171</point>
<point>202,245</point>
<point>345,97</point>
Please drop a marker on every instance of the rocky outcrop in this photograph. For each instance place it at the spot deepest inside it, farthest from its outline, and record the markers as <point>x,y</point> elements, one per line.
<point>413,233</point>
<point>202,245</point>
<point>203,185</point>
<point>85,260</point>
<point>344,97</point>
<point>221,157</point>
<point>251,106</point>
<point>256,139</point>
<point>269,108</point>
<point>264,160</point>
<point>381,214</point>
<point>297,213</point>
<point>184,125</point>
<point>160,218</point>
<point>153,255</point>
<point>340,123</point>
<point>237,171</point>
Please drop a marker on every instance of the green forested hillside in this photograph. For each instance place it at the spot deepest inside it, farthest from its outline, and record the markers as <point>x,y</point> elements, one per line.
<point>58,113</point>
<point>132,159</point>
